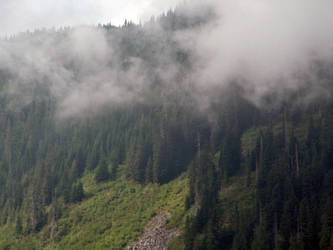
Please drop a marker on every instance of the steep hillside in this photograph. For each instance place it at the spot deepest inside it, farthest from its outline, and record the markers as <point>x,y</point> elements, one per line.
<point>107,131</point>
<point>111,216</point>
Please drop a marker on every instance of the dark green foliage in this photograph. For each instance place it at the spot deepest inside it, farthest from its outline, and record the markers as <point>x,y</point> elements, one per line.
<point>244,223</point>
<point>149,171</point>
<point>77,193</point>
<point>262,237</point>
<point>230,156</point>
<point>18,226</point>
<point>102,172</point>
<point>293,186</point>
<point>203,193</point>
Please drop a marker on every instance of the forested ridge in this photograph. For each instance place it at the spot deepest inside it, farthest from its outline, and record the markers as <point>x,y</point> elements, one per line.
<point>279,153</point>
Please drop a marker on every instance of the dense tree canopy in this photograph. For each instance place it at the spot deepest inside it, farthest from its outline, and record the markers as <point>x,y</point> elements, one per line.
<point>289,159</point>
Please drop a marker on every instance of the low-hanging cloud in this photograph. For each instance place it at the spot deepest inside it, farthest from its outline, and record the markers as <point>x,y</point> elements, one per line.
<point>266,42</point>
<point>21,15</point>
<point>85,69</point>
<point>265,46</point>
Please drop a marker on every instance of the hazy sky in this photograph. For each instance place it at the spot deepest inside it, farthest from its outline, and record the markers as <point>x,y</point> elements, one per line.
<point>20,15</point>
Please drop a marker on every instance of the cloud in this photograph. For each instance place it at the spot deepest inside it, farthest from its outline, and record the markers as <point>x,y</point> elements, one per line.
<point>21,15</point>
<point>265,46</point>
<point>265,42</point>
<point>87,69</point>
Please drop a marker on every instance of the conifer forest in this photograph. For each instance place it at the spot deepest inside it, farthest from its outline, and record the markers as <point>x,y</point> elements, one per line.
<point>211,127</point>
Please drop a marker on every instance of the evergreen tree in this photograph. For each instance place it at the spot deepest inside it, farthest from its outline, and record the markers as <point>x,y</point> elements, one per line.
<point>77,192</point>
<point>18,226</point>
<point>102,172</point>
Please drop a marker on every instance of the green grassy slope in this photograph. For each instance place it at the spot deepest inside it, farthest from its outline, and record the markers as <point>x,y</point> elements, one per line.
<point>112,216</point>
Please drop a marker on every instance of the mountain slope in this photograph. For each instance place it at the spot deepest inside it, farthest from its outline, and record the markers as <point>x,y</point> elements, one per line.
<point>104,128</point>
<point>112,215</point>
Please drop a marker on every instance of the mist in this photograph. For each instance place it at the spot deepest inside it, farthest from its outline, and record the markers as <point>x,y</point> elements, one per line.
<point>86,69</point>
<point>21,15</point>
<point>263,46</point>
<point>267,45</point>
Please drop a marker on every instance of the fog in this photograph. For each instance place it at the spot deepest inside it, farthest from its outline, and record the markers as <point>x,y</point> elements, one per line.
<point>269,44</point>
<point>21,15</point>
<point>264,46</point>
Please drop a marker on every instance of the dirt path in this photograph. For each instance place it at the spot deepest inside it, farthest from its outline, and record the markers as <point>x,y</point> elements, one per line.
<point>156,235</point>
